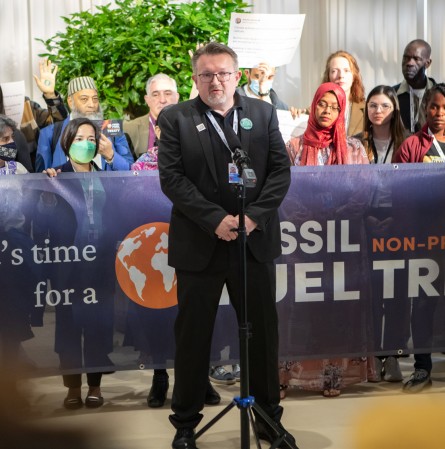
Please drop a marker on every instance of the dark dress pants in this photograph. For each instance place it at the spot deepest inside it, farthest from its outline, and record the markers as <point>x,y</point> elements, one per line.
<point>198,298</point>
<point>422,325</point>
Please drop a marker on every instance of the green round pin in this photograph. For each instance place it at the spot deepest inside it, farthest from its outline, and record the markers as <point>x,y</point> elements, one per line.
<point>246,123</point>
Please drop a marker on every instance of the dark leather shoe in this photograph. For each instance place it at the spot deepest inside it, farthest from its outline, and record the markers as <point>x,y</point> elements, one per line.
<point>73,403</point>
<point>94,401</point>
<point>158,392</point>
<point>212,396</point>
<point>265,432</point>
<point>184,439</point>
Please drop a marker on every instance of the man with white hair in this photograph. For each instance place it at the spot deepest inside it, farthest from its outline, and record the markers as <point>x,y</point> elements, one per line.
<point>83,101</point>
<point>161,91</point>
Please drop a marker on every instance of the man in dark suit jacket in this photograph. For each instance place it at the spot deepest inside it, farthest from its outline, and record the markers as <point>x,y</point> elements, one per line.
<point>195,158</point>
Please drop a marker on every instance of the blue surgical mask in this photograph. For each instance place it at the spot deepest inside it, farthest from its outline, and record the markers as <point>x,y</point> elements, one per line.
<point>8,151</point>
<point>255,86</point>
<point>83,151</point>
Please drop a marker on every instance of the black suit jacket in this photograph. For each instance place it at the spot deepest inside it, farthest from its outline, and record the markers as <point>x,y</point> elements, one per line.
<point>189,179</point>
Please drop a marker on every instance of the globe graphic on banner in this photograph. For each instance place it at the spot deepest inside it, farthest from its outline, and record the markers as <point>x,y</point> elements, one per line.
<point>142,269</point>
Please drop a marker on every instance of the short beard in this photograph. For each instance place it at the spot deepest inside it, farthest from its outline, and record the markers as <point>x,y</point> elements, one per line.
<point>216,101</point>
<point>98,115</point>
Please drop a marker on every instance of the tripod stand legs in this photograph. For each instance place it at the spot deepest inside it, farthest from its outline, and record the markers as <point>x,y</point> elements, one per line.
<point>263,427</point>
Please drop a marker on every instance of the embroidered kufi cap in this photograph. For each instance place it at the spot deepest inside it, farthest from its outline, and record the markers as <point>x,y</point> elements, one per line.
<point>81,83</point>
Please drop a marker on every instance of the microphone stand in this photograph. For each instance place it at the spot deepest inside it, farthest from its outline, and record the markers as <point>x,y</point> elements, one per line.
<point>245,402</point>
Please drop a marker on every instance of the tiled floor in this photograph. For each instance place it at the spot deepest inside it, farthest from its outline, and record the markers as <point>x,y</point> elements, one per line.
<point>125,421</point>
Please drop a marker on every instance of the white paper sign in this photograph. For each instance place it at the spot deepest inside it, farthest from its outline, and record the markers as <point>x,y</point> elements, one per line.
<point>291,127</point>
<point>14,100</point>
<point>271,38</point>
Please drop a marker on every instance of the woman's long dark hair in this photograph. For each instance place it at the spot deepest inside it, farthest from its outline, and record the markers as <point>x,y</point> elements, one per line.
<point>398,133</point>
<point>69,133</point>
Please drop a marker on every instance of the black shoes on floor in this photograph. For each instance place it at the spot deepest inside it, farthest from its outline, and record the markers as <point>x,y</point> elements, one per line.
<point>158,393</point>
<point>184,439</point>
<point>265,432</point>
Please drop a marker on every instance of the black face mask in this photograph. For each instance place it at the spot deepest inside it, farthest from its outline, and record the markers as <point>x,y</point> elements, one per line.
<point>8,152</point>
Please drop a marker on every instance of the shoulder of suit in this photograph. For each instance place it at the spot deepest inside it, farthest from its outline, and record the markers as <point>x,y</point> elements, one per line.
<point>137,120</point>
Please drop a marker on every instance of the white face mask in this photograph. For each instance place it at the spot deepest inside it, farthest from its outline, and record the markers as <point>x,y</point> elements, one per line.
<point>255,86</point>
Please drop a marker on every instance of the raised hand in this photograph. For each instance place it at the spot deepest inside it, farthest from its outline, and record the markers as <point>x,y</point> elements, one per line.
<point>47,81</point>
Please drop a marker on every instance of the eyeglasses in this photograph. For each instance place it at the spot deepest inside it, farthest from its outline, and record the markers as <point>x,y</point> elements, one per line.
<point>375,107</point>
<point>221,76</point>
<point>323,105</point>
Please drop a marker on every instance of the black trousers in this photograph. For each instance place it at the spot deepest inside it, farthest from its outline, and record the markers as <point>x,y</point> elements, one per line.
<point>422,325</point>
<point>198,297</point>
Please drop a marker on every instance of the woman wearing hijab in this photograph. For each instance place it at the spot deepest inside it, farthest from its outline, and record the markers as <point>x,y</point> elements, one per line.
<point>324,142</point>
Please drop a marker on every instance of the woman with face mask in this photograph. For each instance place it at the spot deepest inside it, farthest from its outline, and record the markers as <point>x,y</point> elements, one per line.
<point>84,331</point>
<point>79,142</point>
<point>14,154</point>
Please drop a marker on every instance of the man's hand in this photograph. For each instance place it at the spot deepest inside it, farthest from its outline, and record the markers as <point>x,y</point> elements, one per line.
<point>51,172</point>
<point>106,148</point>
<point>228,228</point>
<point>47,81</point>
<point>267,74</point>
<point>249,224</point>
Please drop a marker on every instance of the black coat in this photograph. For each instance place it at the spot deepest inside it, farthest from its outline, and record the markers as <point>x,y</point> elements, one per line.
<point>188,177</point>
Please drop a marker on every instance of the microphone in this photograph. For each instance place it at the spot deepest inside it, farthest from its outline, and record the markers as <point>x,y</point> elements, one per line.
<point>242,162</point>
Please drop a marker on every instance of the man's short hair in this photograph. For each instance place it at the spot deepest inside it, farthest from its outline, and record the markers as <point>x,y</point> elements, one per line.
<point>81,83</point>
<point>158,77</point>
<point>422,43</point>
<point>214,48</point>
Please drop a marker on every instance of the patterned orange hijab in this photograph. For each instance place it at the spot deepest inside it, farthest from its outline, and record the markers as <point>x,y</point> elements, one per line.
<point>317,137</point>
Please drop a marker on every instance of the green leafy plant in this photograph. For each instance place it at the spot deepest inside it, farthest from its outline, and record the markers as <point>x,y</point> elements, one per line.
<point>122,47</point>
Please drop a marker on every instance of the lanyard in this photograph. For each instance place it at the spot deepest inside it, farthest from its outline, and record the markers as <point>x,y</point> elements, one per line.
<point>436,144</point>
<point>387,151</point>
<point>220,131</point>
<point>388,147</point>
<point>414,115</point>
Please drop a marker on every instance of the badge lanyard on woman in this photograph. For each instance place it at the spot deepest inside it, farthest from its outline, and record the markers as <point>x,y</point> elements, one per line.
<point>437,146</point>
<point>233,172</point>
<point>89,203</point>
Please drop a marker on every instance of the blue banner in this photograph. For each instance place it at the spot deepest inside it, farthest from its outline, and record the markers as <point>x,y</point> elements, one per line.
<point>86,284</point>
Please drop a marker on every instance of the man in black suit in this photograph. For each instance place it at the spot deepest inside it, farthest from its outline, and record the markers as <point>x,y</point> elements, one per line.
<point>195,159</point>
